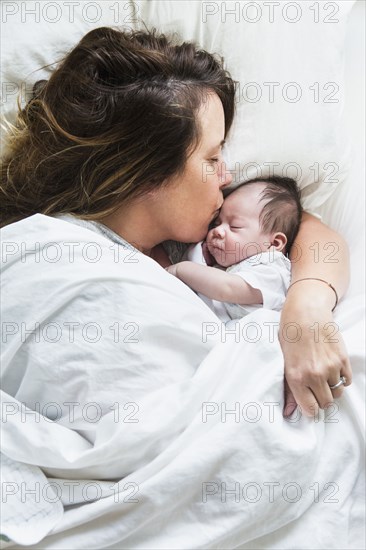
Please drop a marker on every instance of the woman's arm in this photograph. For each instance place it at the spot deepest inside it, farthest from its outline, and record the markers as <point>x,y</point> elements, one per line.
<point>314,352</point>
<point>216,284</point>
<point>319,251</point>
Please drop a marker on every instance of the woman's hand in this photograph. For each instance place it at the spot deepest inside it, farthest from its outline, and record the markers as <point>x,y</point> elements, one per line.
<point>314,352</point>
<point>315,357</point>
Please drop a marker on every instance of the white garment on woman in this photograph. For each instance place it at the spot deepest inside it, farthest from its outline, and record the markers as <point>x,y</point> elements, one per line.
<point>269,272</point>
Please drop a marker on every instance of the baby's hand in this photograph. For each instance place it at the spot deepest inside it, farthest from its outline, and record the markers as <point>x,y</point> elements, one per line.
<point>172,269</point>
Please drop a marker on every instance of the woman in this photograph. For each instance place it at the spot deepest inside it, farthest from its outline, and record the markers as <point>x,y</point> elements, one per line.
<point>125,133</point>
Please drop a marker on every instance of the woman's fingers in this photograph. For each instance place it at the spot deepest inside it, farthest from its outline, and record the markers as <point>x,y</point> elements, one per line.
<point>337,392</point>
<point>304,398</point>
<point>346,369</point>
<point>323,394</point>
<point>344,374</point>
<point>290,401</point>
<point>311,390</point>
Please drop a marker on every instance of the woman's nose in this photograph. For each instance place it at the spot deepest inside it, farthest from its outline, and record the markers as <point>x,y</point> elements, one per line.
<point>225,176</point>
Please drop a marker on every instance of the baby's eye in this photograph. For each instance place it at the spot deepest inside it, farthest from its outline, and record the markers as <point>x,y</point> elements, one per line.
<point>235,227</point>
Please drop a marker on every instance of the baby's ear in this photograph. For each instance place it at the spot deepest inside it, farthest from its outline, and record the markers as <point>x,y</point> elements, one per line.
<point>279,241</point>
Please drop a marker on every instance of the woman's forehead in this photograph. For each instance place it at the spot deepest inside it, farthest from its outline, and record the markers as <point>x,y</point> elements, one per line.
<point>212,121</point>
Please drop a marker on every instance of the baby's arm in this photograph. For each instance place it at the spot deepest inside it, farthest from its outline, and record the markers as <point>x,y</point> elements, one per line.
<point>216,284</point>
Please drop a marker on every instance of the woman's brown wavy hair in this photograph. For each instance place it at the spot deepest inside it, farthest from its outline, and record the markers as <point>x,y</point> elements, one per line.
<point>114,121</point>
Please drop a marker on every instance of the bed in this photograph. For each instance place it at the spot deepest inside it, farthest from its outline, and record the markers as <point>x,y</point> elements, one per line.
<point>210,462</point>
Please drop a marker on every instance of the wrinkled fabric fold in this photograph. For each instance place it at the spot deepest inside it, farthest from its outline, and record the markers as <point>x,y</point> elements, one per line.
<point>175,438</point>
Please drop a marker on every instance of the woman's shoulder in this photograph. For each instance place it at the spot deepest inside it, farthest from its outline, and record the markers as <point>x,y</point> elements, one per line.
<point>47,229</point>
<point>44,226</point>
<point>52,245</point>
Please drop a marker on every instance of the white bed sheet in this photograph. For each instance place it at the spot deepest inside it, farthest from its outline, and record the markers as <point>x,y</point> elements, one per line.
<point>176,445</point>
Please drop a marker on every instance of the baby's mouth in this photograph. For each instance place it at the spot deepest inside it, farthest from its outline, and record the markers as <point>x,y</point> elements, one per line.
<point>215,249</point>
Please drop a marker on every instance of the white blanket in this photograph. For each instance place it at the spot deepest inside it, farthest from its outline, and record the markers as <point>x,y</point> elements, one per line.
<point>165,431</point>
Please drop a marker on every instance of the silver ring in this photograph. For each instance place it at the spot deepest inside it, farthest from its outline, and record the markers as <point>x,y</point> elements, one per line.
<point>342,381</point>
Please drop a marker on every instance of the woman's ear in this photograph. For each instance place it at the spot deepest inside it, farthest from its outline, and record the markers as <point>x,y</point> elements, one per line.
<point>279,241</point>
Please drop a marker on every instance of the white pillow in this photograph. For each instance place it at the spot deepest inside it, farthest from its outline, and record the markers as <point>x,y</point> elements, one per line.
<point>286,56</point>
<point>288,60</point>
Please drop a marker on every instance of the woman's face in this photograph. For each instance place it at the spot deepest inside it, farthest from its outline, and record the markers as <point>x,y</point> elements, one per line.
<point>191,200</point>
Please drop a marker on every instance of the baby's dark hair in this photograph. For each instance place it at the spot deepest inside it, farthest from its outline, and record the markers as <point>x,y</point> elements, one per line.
<point>282,210</point>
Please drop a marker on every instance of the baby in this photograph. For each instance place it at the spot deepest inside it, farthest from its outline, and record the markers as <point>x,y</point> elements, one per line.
<point>243,262</point>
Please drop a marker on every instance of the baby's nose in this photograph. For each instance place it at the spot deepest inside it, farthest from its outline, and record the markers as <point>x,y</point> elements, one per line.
<point>219,231</point>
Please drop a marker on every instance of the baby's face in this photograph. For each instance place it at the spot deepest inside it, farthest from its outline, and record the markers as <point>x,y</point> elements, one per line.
<point>236,233</point>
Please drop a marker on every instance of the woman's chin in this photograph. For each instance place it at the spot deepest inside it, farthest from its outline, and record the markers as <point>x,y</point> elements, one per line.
<point>187,238</point>
<point>193,235</point>
<point>198,236</point>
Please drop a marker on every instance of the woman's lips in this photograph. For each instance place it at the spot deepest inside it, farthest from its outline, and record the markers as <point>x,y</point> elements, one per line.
<point>214,215</point>
<point>217,210</point>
